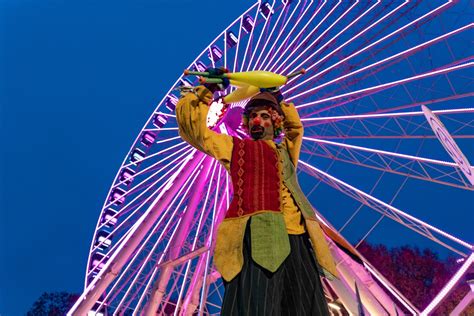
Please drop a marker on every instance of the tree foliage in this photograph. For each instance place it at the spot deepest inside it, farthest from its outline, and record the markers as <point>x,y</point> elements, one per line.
<point>418,274</point>
<point>53,304</point>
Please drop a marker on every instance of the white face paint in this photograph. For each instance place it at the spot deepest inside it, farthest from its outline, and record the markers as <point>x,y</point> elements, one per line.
<point>260,124</point>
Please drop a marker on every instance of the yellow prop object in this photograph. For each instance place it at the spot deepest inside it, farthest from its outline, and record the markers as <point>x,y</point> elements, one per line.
<point>258,78</point>
<point>242,93</point>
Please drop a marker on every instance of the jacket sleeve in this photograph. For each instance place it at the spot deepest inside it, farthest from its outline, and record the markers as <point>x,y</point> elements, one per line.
<point>191,115</point>
<point>293,129</point>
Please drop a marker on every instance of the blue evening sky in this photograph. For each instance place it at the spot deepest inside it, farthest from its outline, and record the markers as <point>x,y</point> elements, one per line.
<point>78,79</point>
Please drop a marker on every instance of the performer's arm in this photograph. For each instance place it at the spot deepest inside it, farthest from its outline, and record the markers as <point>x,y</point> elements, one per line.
<point>293,129</point>
<point>191,114</point>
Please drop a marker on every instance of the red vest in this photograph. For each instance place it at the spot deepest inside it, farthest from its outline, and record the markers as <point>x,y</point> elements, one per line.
<point>255,178</point>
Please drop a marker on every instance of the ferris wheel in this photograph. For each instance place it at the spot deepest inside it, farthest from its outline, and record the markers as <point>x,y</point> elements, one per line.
<point>370,67</point>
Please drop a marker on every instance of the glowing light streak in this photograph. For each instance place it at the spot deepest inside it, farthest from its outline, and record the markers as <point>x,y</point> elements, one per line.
<point>273,30</point>
<point>382,152</point>
<point>118,258</point>
<point>403,53</point>
<point>164,230</point>
<point>260,36</point>
<point>238,44</point>
<point>390,288</point>
<point>389,207</point>
<point>138,186</point>
<point>371,45</point>
<point>386,85</point>
<point>196,234</point>
<point>448,287</point>
<point>250,35</point>
<point>126,220</point>
<point>296,37</point>
<point>145,170</point>
<point>360,16</point>
<point>264,65</point>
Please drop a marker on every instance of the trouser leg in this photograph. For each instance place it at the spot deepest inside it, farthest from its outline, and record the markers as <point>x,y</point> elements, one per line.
<point>294,289</point>
<point>303,291</point>
<point>254,291</point>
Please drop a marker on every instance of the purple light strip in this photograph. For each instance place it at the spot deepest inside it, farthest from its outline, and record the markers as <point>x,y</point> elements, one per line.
<point>391,208</point>
<point>145,180</point>
<point>389,288</point>
<point>271,34</point>
<point>192,178</point>
<point>325,31</point>
<point>157,191</point>
<point>260,36</point>
<point>383,152</point>
<point>316,28</point>
<point>413,49</point>
<point>171,240</point>
<point>449,286</point>
<point>250,38</point>
<point>387,85</point>
<point>195,239</point>
<point>84,300</point>
<point>238,44</point>
<point>155,164</point>
<point>280,56</point>
<point>289,33</point>
<point>371,45</point>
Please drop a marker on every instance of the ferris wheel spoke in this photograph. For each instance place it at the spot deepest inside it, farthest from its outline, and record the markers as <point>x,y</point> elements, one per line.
<point>152,167</point>
<point>334,51</point>
<point>309,35</point>
<point>380,62</point>
<point>117,229</point>
<point>93,291</point>
<point>389,211</point>
<point>177,242</point>
<point>275,41</point>
<point>126,207</point>
<point>168,221</point>
<point>370,90</point>
<point>250,39</point>
<point>441,172</point>
<point>365,48</point>
<point>199,267</point>
<point>323,46</point>
<point>300,17</point>
<point>401,125</point>
<point>262,31</point>
<point>167,149</point>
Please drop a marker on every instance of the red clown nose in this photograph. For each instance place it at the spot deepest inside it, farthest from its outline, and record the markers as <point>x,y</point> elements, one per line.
<point>256,121</point>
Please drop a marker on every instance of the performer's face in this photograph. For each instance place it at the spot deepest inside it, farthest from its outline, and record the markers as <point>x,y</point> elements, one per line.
<point>260,124</point>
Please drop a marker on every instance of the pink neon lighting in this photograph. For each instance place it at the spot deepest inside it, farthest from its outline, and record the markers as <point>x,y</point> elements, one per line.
<point>291,32</point>
<point>448,287</point>
<point>374,43</point>
<point>281,30</point>
<point>313,31</point>
<point>415,48</point>
<point>271,34</point>
<point>334,37</point>
<point>260,37</point>
<point>389,84</point>
<point>382,152</point>
<point>346,43</point>
<point>393,209</point>
<point>388,287</point>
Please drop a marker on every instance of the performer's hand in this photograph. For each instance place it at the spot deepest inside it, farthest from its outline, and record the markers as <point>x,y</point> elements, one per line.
<point>217,72</point>
<point>276,93</point>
